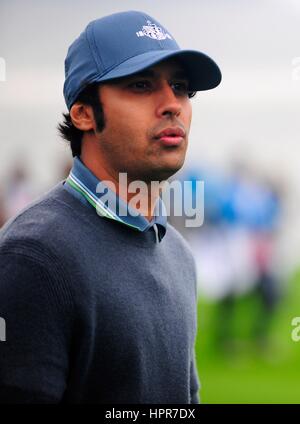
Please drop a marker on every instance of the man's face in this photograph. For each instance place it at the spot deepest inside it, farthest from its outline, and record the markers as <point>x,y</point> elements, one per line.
<point>147,122</point>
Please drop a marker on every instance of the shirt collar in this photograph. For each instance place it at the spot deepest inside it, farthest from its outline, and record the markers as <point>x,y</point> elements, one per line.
<point>82,183</point>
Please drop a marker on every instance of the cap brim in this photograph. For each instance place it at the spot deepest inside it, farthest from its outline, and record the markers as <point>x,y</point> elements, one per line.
<point>203,73</point>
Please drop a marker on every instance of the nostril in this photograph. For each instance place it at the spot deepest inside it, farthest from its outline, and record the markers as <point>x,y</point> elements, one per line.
<point>171,112</point>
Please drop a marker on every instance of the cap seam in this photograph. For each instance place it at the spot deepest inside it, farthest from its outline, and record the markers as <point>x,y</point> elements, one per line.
<point>90,46</point>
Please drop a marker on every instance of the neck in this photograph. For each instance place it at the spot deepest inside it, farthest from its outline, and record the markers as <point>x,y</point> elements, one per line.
<point>138,195</point>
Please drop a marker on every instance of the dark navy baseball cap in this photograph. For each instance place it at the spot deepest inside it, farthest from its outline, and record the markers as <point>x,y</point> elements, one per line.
<point>125,43</point>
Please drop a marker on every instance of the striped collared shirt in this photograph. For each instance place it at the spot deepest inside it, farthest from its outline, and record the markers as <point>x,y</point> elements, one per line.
<point>84,185</point>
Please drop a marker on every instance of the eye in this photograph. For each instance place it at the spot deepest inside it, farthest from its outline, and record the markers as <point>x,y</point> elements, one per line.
<point>180,88</point>
<point>140,86</point>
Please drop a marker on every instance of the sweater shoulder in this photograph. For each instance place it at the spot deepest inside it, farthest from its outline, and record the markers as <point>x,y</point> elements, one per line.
<point>30,258</point>
<point>39,224</point>
<point>181,247</point>
<point>178,239</point>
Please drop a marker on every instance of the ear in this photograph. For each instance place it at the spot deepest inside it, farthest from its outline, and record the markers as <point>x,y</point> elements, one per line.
<point>82,117</point>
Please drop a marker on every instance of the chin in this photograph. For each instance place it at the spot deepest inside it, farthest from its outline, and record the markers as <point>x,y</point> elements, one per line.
<point>171,167</point>
<point>164,172</point>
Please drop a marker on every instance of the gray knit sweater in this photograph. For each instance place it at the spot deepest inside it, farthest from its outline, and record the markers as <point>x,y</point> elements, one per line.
<point>95,311</point>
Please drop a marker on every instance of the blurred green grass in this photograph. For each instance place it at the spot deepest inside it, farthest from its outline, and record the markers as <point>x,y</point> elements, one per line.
<point>245,372</point>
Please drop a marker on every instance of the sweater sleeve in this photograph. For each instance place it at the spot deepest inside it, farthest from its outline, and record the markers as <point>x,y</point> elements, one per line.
<point>194,383</point>
<point>36,309</point>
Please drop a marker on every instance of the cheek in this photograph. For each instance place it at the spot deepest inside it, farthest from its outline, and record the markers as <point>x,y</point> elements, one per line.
<point>187,114</point>
<point>119,114</point>
<point>126,121</point>
<point>124,132</point>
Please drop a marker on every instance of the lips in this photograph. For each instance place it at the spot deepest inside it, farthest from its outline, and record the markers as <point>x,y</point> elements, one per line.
<point>171,132</point>
<point>172,136</point>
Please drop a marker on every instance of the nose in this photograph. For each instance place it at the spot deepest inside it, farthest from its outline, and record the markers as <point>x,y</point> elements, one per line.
<point>168,103</point>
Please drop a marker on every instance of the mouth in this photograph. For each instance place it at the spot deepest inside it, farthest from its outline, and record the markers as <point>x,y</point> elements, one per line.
<point>172,136</point>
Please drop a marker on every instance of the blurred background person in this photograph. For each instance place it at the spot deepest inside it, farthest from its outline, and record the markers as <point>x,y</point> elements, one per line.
<point>19,190</point>
<point>235,249</point>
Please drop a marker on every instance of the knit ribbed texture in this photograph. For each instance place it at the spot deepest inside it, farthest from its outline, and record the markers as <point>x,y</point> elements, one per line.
<point>95,311</point>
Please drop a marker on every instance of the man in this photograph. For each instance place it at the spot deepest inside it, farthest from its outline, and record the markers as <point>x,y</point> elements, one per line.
<point>99,296</point>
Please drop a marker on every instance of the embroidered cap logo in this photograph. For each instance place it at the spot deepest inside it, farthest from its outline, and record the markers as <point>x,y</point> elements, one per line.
<point>153,31</point>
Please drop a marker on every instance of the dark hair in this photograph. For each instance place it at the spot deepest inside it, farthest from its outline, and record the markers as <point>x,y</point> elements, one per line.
<point>68,131</point>
<point>192,94</point>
